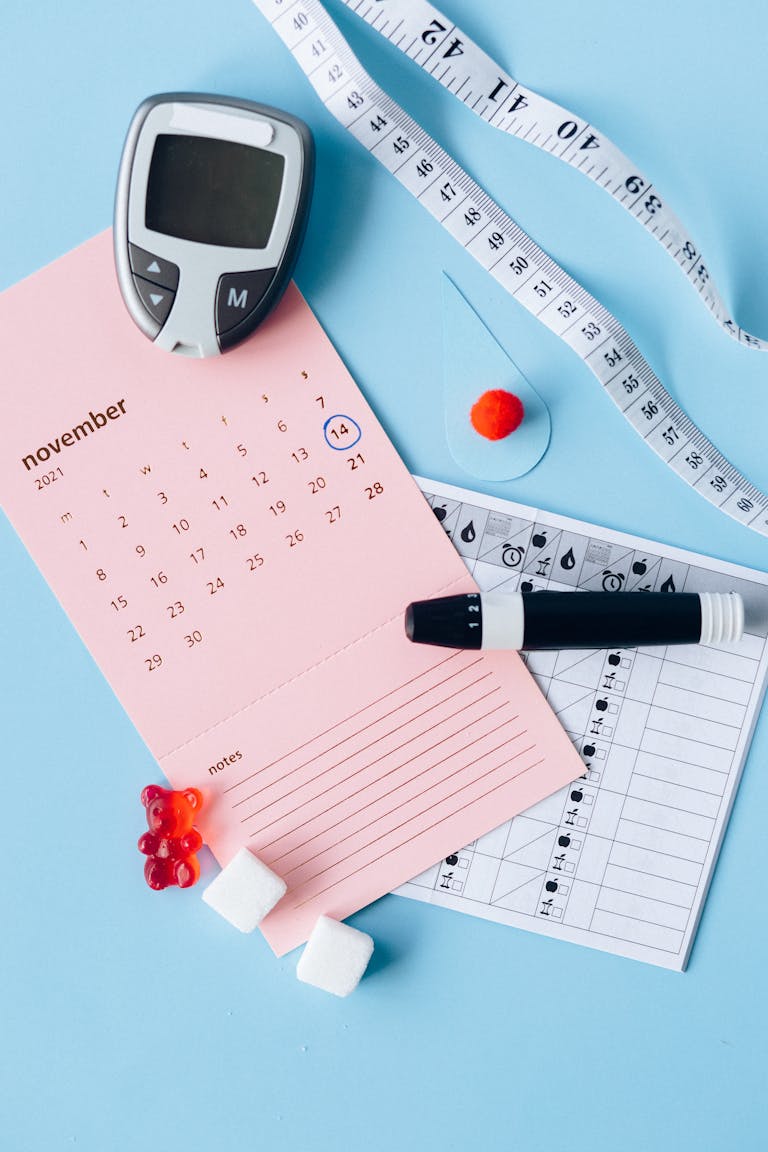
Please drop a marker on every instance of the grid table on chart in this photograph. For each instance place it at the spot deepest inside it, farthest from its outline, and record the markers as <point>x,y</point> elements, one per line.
<point>621,859</point>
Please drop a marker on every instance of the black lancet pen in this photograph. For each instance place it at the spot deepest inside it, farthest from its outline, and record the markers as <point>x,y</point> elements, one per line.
<point>538,620</point>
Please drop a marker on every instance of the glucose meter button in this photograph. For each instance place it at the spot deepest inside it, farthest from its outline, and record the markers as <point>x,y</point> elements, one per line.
<point>153,268</point>
<point>238,294</point>
<point>156,299</point>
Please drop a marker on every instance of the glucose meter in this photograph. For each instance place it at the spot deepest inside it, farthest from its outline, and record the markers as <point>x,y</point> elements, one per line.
<point>212,202</point>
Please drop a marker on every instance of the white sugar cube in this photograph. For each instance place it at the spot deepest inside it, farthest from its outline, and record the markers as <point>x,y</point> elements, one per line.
<point>245,891</point>
<point>335,957</point>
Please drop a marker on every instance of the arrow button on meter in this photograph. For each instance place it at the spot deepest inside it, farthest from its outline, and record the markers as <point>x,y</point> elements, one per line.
<point>154,268</point>
<point>155,299</point>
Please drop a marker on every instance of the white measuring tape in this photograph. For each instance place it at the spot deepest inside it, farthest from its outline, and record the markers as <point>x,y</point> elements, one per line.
<point>493,238</point>
<point>429,38</point>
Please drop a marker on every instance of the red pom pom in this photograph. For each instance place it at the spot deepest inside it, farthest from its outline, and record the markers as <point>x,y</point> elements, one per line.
<point>496,414</point>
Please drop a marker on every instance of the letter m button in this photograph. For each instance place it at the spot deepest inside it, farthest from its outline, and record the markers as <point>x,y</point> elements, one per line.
<point>237,299</point>
<point>238,296</point>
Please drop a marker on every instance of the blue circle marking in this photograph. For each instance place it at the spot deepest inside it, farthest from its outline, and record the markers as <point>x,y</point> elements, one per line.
<point>350,443</point>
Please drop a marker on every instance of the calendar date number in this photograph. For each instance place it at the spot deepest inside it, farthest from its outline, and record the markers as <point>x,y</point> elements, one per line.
<point>341,432</point>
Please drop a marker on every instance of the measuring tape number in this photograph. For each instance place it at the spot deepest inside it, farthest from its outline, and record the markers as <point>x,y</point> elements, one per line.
<point>487,233</point>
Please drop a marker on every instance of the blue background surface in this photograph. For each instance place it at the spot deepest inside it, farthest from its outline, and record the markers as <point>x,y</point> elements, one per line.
<point>133,1020</point>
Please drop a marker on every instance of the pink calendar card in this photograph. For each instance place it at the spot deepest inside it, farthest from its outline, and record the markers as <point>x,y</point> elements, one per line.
<point>236,540</point>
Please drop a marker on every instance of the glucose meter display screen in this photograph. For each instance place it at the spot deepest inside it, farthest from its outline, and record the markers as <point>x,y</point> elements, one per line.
<point>213,191</point>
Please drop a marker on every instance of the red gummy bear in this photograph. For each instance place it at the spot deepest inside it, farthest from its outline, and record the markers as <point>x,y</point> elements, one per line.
<point>171,842</point>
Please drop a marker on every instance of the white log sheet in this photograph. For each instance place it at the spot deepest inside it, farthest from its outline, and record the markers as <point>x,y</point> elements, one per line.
<point>622,859</point>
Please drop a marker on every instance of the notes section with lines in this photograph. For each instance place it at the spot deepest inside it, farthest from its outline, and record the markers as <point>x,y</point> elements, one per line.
<point>423,745</point>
